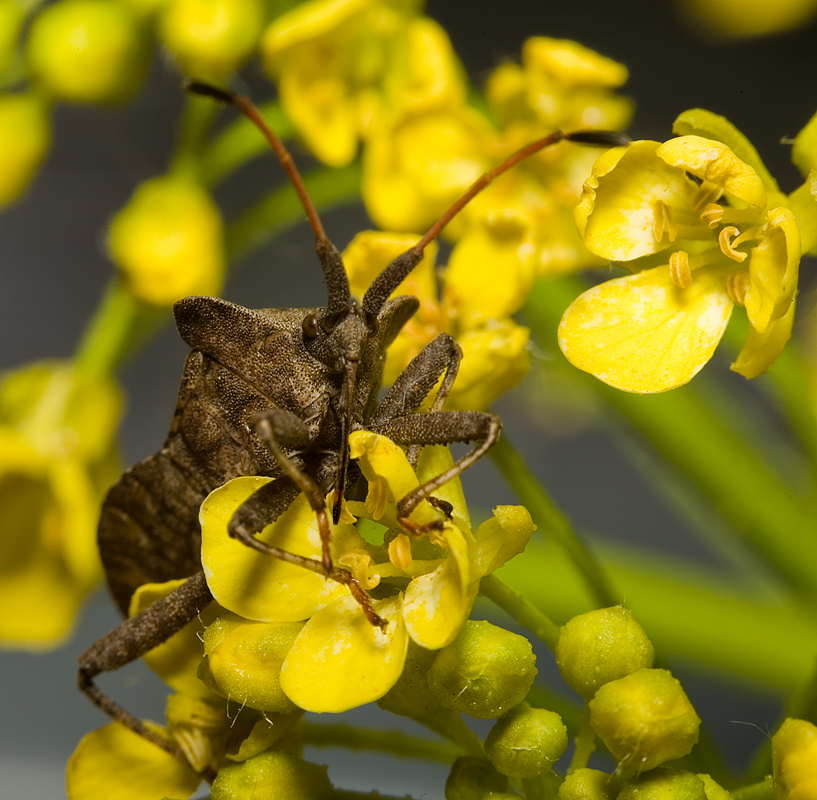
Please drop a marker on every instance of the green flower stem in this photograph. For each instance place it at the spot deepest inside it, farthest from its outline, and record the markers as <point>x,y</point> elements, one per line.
<point>450,725</point>
<point>281,209</point>
<point>240,142</point>
<point>757,791</point>
<point>686,611</point>
<point>699,444</point>
<point>197,117</point>
<point>585,743</point>
<point>393,742</point>
<point>552,522</point>
<point>119,327</point>
<point>571,713</point>
<point>523,612</point>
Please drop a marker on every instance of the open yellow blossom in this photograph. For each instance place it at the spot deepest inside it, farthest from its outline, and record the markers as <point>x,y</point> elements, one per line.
<point>56,460</point>
<point>474,308</point>
<point>692,221</point>
<point>423,587</point>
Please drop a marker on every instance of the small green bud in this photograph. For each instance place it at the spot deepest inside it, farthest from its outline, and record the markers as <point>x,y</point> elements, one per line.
<point>25,136</point>
<point>589,784</point>
<point>211,38</point>
<point>242,661</point>
<point>664,784</point>
<point>644,719</point>
<point>473,779</point>
<point>601,646</point>
<point>484,672</point>
<point>410,696</point>
<point>526,742</point>
<point>88,51</point>
<point>272,776</point>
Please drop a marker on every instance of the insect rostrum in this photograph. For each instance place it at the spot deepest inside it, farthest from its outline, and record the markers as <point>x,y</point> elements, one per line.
<point>275,392</point>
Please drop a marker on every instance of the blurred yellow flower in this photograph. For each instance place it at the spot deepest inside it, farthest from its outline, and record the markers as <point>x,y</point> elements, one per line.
<point>742,19</point>
<point>692,221</point>
<point>57,459</point>
<point>422,587</point>
<point>25,137</point>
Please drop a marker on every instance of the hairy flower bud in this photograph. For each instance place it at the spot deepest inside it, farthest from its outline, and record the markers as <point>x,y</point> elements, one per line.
<point>644,719</point>
<point>664,784</point>
<point>526,742</point>
<point>88,51</point>
<point>601,646</point>
<point>473,779</point>
<point>484,672</point>
<point>589,784</point>
<point>242,661</point>
<point>794,760</point>
<point>272,776</point>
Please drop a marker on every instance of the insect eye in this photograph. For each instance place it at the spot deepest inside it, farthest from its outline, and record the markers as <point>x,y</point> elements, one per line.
<point>310,326</point>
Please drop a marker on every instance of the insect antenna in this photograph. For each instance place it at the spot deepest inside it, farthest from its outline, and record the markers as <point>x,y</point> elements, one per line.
<point>337,283</point>
<point>388,280</point>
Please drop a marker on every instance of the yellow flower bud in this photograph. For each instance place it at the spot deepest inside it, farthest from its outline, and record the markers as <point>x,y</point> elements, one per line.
<point>211,38</point>
<point>601,646</point>
<point>484,672</point>
<point>794,760</point>
<point>272,776</point>
<point>473,779</point>
<point>88,51</point>
<point>168,241</point>
<point>664,784</point>
<point>25,136</point>
<point>644,719</point>
<point>526,742</point>
<point>589,784</point>
<point>242,661</point>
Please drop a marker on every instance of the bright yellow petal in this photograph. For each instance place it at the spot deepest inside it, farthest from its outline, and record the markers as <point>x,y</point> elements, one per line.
<point>434,460</point>
<point>114,763</point>
<point>502,537</point>
<point>714,161</point>
<point>630,189</point>
<point>437,604</point>
<point>341,661</point>
<point>773,269</point>
<point>309,21</point>
<point>642,333</point>
<point>761,350</point>
<point>571,64</point>
<point>255,585</point>
<point>177,660</point>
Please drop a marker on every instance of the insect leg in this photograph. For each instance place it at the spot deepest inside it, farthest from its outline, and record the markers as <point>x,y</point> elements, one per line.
<point>131,640</point>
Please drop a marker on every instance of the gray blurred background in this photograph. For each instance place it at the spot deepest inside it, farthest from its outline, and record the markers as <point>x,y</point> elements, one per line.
<point>53,270</point>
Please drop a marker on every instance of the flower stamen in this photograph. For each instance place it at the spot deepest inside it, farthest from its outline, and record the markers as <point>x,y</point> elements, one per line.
<point>728,246</point>
<point>377,498</point>
<point>706,194</point>
<point>737,285</point>
<point>712,215</point>
<point>663,222</point>
<point>400,551</point>
<point>679,269</point>
<point>358,563</point>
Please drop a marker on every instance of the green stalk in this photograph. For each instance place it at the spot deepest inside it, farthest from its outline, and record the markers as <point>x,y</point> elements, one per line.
<point>585,743</point>
<point>552,522</point>
<point>697,442</point>
<point>757,791</point>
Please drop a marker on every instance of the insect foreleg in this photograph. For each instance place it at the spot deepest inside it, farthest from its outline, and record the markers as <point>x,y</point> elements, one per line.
<point>133,638</point>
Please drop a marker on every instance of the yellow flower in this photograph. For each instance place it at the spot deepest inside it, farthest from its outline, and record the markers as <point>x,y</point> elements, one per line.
<point>422,587</point>
<point>742,19</point>
<point>56,460</point>
<point>794,758</point>
<point>693,222</point>
<point>25,136</point>
<point>168,241</point>
<point>474,308</point>
<point>339,63</point>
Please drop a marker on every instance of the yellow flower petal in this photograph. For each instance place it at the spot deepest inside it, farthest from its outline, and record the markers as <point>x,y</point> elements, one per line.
<point>642,333</point>
<point>434,460</point>
<point>177,660</point>
<point>572,64</point>
<point>773,270</point>
<point>761,350</point>
<point>616,215</point>
<point>114,763</point>
<point>714,161</point>
<point>341,661</point>
<point>437,604</point>
<point>258,586</point>
<point>503,536</point>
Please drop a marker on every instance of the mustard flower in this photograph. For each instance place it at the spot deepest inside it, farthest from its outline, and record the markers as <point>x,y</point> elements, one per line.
<point>701,232</point>
<point>168,241</point>
<point>473,306</point>
<point>56,460</point>
<point>339,63</point>
<point>422,587</point>
<point>739,19</point>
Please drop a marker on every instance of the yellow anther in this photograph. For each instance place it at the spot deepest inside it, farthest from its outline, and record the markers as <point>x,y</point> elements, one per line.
<point>679,269</point>
<point>196,746</point>
<point>400,551</point>
<point>737,284</point>
<point>706,194</point>
<point>377,498</point>
<point>712,215</point>
<point>726,244</point>
<point>358,563</point>
<point>663,222</point>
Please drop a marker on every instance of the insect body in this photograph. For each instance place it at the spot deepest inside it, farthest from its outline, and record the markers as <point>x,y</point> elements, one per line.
<point>276,392</point>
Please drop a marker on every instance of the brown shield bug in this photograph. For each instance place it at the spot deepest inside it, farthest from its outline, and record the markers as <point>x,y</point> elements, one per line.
<point>276,392</point>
